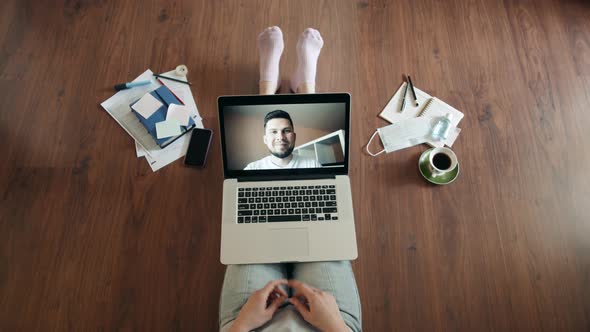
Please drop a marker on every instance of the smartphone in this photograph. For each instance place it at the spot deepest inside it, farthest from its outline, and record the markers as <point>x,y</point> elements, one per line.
<point>198,148</point>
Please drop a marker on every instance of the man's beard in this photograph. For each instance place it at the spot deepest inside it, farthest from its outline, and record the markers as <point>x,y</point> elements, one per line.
<point>283,154</point>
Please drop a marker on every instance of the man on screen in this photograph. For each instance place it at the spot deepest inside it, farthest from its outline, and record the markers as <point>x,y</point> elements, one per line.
<point>279,138</point>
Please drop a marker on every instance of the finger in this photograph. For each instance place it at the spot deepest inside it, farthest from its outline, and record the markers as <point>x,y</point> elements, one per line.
<point>300,307</point>
<point>274,295</point>
<point>299,295</point>
<point>276,304</point>
<point>301,288</point>
<point>271,298</point>
<point>280,291</point>
<point>272,285</point>
<point>302,298</point>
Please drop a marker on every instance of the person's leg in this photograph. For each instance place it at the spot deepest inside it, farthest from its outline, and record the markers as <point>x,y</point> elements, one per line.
<point>308,50</point>
<point>337,278</point>
<point>270,48</point>
<point>240,282</point>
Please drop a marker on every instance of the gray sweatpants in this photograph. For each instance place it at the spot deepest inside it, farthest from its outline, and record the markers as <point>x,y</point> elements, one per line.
<point>336,277</point>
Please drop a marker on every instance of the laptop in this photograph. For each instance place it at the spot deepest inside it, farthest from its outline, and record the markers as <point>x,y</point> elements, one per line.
<point>286,190</point>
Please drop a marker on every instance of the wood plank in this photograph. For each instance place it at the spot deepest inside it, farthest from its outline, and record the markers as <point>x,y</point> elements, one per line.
<point>91,239</point>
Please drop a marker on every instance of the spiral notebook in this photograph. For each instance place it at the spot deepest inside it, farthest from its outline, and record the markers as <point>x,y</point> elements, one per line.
<point>427,106</point>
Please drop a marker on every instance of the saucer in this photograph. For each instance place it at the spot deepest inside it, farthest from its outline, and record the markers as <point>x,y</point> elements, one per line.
<point>427,174</point>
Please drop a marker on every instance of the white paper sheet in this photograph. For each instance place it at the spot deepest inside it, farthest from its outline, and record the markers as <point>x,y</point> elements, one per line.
<point>391,112</point>
<point>168,128</point>
<point>147,105</point>
<point>118,107</point>
<point>139,151</point>
<point>179,113</point>
<point>182,91</point>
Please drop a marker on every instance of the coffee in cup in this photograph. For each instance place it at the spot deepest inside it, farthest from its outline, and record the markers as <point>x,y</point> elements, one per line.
<point>441,161</point>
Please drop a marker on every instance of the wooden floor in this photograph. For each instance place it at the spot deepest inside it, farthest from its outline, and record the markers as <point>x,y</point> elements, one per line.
<point>91,239</point>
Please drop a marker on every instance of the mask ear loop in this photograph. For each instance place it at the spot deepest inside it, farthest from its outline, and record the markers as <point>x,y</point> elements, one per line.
<point>367,146</point>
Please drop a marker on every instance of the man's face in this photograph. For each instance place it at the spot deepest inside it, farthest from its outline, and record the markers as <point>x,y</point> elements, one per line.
<point>279,137</point>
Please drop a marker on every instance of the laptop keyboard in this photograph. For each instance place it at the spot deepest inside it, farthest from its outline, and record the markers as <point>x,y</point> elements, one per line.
<point>282,204</point>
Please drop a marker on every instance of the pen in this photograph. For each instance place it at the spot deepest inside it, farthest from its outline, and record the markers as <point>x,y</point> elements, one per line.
<point>404,98</point>
<point>124,86</point>
<point>413,91</point>
<point>172,79</point>
<point>179,136</point>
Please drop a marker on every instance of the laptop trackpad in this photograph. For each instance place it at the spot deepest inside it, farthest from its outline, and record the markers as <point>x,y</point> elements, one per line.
<point>290,243</point>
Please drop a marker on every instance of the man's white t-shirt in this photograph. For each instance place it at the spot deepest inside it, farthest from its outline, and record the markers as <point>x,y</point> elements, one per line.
<point>296,162</point>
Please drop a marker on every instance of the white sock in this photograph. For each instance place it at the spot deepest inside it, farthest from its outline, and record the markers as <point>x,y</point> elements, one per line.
<point>308,50</point>
<point>270,47</point>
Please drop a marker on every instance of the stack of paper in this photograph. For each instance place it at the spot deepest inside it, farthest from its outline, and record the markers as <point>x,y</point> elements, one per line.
<point>428,106</point>
<point>118,107</point>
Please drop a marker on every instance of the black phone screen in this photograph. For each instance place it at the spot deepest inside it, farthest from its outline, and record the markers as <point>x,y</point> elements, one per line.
<point>198,148</point>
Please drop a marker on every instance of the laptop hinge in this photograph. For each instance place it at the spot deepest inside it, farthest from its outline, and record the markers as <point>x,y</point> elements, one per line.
<point>289,177</point>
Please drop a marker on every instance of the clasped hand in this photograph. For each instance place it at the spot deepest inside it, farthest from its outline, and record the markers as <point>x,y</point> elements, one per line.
<point>315,306</point>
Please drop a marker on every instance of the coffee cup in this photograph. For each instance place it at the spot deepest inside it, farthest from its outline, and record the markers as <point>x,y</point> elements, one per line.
<point>441,161</point>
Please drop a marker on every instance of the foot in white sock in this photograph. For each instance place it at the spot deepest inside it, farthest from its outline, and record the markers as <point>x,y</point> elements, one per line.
<point>270,47</point>
<point>308,50</point>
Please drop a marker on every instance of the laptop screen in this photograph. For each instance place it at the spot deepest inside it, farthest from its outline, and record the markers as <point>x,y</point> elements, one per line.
<point>284,134</point>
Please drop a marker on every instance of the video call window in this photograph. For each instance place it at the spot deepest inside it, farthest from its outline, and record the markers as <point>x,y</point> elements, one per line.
<point>295,136</point>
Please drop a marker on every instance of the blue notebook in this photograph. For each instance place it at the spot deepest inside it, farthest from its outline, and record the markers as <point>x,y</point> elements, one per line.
<point>166,97</point>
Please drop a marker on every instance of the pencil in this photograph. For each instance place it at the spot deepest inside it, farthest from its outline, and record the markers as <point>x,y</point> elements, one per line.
<point>404,99</point>
<point>172,79</point>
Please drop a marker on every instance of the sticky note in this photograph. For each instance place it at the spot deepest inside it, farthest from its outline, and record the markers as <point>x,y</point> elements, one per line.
<point>147,105</point>
<point>179,113</point>
<point>167,128</point>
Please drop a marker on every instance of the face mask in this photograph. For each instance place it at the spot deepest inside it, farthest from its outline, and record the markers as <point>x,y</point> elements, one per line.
<point>403,134</point>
